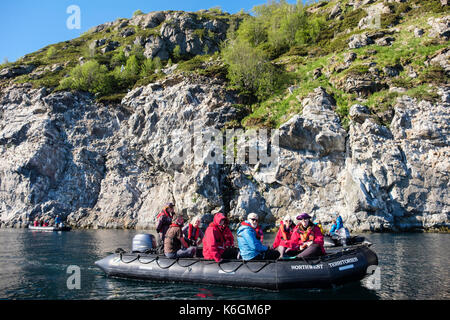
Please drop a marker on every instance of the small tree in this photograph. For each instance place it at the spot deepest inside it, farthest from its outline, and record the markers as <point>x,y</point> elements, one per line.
<point>51,52</point>
<point>157,63</point>
<point>148,67</point>
<point>250,70</point>
<point>177,52</point>
<point>91,76</point>
<point>137,13</point>
<point>118,59</point>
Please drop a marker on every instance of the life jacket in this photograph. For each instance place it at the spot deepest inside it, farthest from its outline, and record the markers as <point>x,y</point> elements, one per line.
<point>306,235</point>
<point>163,213</point>
<point>196,235</point>
<point>259,233</point>
<point>320,227</point>
<point>284,235</point>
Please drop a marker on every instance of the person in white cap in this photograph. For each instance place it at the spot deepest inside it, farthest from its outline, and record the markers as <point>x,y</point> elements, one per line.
<point>283,237</point>
<point>192,232</point>
<point>249,245</point>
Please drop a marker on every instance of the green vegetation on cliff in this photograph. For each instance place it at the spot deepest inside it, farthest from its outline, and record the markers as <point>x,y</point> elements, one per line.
<point>273,57</point>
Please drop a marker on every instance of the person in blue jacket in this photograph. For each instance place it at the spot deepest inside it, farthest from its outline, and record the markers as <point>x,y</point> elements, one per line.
<point>57,221</point>
<point>337,224</point>
<point>250,247</point>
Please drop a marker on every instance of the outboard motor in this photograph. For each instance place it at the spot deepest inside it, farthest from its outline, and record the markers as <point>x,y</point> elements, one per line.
<point>143,242</point>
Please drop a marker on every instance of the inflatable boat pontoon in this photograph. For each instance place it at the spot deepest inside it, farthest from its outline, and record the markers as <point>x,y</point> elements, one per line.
<point>49,229</point>
<point>340,265</point>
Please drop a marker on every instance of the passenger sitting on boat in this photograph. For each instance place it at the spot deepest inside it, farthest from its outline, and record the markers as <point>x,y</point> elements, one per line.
<point>57,221</point>
<point>337,223</point>
<point>250,246</point>
<point>218,240</point>
<point>283,236</point>
<point>307,238</point>
<point>229,238</point>
<point>45,223</point>
<point>163,221</point>
<point>259,233</point>
<point>36,223</point>
<point>192,233</point>
<point>174,244</point>
<point>319,224</point>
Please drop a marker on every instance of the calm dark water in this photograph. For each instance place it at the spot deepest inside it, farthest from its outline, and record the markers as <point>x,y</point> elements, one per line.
<point>33,265</point>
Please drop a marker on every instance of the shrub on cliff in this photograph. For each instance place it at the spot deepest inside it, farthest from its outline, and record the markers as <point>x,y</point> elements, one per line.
<point>125,76</point>
<point>280,25</point>
<point>250,70</point>
<point>91,76</point>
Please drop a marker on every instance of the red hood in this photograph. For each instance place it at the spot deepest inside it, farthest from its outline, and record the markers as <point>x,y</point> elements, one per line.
<point>218,217</point>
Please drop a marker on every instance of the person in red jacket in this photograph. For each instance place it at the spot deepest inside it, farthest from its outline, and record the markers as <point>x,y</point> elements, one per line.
<point>218,240</point>
<point>307,238</point>
<point>229,238</point>
<point>283,237</point>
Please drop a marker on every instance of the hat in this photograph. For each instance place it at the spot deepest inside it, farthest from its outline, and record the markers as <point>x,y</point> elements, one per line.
<point>252,216</point>
<point>169,205</point>
<point>303,216</point>
<point>287,218</point>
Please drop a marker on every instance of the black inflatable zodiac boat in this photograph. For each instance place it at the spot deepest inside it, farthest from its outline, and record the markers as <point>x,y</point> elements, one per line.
<point>340,265</point>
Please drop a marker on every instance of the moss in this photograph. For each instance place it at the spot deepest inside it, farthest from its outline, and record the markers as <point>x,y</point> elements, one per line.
<point>425,6</point>
<point>433,74</point>
<point>112,98</point>
<point>423,92</point>
<point>193,64</point>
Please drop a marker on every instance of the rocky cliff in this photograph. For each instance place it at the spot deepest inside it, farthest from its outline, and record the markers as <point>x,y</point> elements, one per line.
<point>106,164</point>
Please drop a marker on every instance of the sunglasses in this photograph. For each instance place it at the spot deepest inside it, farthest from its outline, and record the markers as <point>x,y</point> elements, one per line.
<point>254,219</point>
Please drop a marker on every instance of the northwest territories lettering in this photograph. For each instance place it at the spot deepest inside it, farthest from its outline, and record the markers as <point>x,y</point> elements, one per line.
<point>341,262</point>
<point>307,267</point>
<point>208,145</point>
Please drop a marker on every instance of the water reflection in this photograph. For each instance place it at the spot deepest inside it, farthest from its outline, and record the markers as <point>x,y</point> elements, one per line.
<point>33,266</point>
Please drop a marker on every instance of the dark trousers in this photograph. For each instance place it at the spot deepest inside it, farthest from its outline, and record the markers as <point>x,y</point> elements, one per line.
<point>267,255</point>
<point>313,250</point>
<point>182,253</point>
<point>230,253</point>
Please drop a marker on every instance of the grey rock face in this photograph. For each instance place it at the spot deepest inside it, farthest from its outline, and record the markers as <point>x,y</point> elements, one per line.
<point>12,72</point>
<point>440,27</point>
<point>194,35</point>
<point>359,40</point>
<point>114,166</point>
<point>441,58</point>
<point>362,84</point>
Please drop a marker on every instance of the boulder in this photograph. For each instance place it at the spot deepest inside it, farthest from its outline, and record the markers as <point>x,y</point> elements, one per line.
<point>11,72</point>
<point>359,40</point>
<point>440,27</point>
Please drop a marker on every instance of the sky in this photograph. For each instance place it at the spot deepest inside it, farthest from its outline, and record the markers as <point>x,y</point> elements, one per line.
<point>29,25</point>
